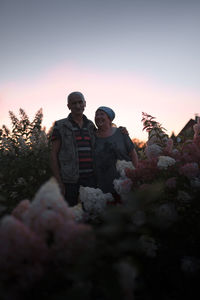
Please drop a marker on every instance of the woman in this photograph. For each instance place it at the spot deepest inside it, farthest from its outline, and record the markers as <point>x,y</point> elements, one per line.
<point>111,145</point>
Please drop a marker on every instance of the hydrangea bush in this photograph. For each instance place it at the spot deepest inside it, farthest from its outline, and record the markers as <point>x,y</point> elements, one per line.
<point>146,247</point>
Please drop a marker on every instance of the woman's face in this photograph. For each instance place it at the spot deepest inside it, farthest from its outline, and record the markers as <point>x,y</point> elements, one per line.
<point>102,119</point>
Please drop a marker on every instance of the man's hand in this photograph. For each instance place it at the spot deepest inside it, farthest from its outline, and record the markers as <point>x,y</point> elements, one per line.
<point>62,188</point>
<point>124,130</point>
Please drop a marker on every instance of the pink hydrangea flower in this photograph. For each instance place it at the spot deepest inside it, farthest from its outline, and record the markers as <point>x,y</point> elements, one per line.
<point>190,170</point>
<point>169,146</point>
<point>20,209</point>
<point>122,185</point>
<point>171,183</point>
<point>48,198</point>
<point>22,255</point>
<point>72,242</point>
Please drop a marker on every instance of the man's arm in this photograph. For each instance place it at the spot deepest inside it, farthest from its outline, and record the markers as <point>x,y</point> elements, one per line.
<point>55,164</point>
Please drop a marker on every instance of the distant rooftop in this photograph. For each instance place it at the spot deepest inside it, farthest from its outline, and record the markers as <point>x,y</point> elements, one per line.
<point>189,125</point>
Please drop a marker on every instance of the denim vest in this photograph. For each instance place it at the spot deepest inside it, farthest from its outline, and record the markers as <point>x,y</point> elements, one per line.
<point>68,154</point>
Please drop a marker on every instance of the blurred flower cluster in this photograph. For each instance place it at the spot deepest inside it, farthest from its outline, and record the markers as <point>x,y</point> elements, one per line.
<point>41,239</point>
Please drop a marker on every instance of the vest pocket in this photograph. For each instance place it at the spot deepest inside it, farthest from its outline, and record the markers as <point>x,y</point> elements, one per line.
<point>69,170</point>
<point>67,139</point>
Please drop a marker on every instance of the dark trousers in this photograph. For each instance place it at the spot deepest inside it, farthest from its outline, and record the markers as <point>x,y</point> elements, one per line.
<point>72,189</point>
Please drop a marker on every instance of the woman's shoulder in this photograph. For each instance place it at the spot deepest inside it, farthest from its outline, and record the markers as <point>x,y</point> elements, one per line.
<point>114,129</point>
<point>120,131</point>
<point>117,133</point>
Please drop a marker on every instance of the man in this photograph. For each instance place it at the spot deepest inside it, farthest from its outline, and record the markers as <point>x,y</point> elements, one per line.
<point>72,150</point>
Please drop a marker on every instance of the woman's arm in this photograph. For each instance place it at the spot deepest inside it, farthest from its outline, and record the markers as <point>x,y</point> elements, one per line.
<point>134,157</point>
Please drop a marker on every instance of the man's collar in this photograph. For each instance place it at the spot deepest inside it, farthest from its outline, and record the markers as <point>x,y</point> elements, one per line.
<point>85,119</point>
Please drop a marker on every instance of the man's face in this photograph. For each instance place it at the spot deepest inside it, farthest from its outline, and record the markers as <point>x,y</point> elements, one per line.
<point>76,104</point>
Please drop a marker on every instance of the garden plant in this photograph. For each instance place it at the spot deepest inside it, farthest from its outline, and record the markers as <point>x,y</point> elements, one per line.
<point>145,247</point>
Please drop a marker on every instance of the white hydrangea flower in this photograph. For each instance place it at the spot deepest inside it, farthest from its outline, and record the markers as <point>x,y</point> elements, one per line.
<point>94,200</point>
<point>165,161</point>
<point>153,151</point>
<point>77,211</point>
<point>122,185</point>
<point>147,245</point>
<point>190,264</point>
<point>139,218</point>
<point>184,197</point>
<point>166,214</point>
<point>127,274</point>
<point>195,183</point>
<point>155,135</point>
<point>121,165</point>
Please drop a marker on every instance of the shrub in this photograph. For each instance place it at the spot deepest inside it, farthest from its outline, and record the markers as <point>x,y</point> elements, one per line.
<point>24,158</point>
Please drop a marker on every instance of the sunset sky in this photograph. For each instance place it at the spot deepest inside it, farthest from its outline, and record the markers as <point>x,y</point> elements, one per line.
<point>132,55</point>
